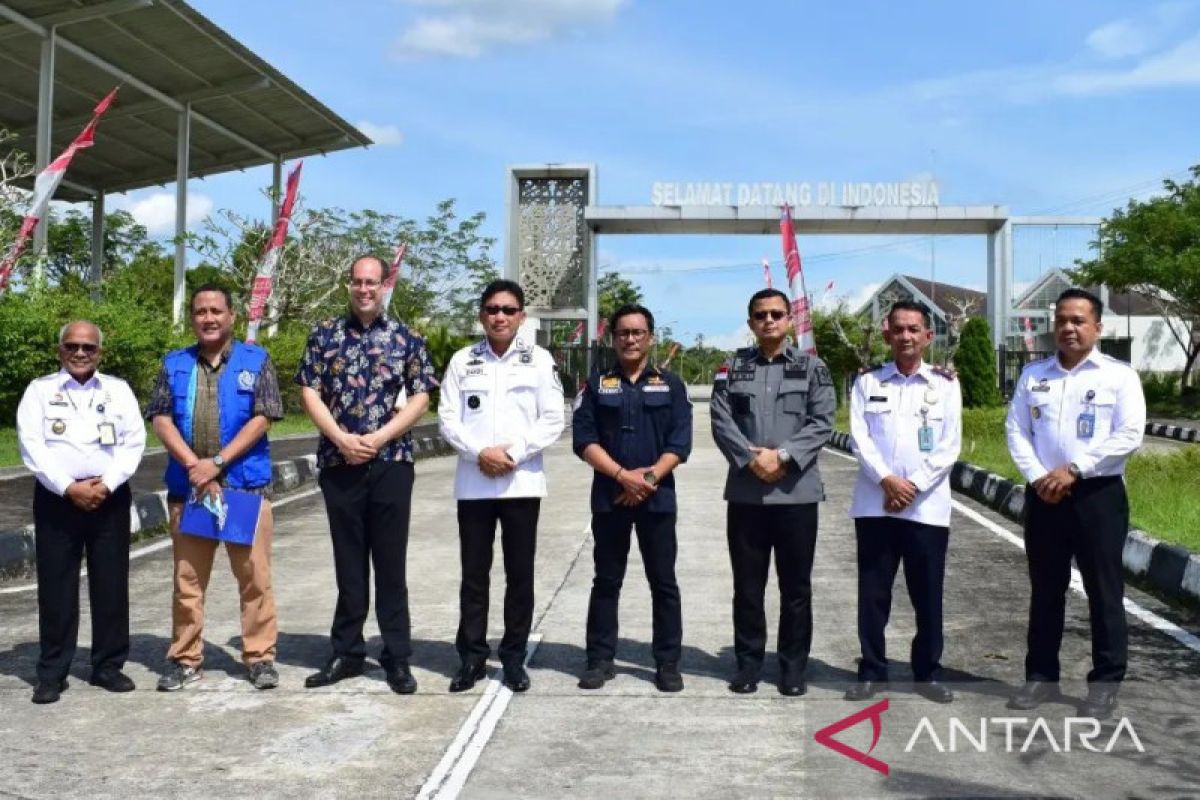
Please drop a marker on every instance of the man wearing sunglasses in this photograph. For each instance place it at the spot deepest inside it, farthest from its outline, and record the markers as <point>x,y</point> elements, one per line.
<point>501,406</point>
<point>81,435</point>
<point>772,412</point>
<point>633,426</point>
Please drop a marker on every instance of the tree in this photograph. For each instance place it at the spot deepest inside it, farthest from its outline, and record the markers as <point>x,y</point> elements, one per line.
<point>976,364</point>
<point>614,292</point>
<point>446,265</point>
<point>1152,247</point>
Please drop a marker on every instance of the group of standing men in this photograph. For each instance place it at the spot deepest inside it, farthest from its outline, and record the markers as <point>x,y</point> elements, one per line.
<point>365,380</point>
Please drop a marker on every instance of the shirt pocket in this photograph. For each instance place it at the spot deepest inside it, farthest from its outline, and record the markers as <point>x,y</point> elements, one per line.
<point>1104,405</point>
<point>1039,409</point>
<point>523,388</point>
<point>878,416</point>
<point>476,395</point>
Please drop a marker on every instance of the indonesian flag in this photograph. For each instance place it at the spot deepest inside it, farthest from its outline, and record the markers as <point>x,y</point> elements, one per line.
<point>767,272</point>
<point>1029,341</point>
<point>670,355</point>
<point>46,185</point>
<point>265,274</point>
<point>389,283</point>
<point>795,274</point>
<point>601,327</point>
<point>577,334</point>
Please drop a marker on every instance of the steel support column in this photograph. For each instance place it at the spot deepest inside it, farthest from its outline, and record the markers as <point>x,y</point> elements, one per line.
<point>999,281</point>
<point>45,121</point>
<point>97,242</point>
<point>181,184</point>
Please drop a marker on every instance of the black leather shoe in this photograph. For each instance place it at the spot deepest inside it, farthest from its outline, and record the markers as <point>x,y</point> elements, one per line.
<point>49,691</point>
<point>597,674</point>
<point>467,675</point>
<point>111,679</point>
<point>338,669</point>
<point>516,678</point>
<point>792,685</point>
<point>1033,694</point>
<point>936,691</point>
<point>1101,701</point>
<point>863,690</point>
<point>744,682</point>
<point>400,678</point>
<point>667,677</point>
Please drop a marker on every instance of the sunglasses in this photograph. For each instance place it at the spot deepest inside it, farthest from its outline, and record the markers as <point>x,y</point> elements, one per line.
<point>774,314</point>
<point>509,311</point>
<point>82,347</point>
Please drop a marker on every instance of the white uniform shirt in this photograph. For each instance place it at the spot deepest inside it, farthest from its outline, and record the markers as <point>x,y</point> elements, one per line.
<point>885,421</point>
<point>59,425</point>
<point>1043,425</point>
<point>488,400</point>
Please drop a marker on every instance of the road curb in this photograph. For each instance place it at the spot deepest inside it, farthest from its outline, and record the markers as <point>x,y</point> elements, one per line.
<point>1169,568</point>
<point>149,509</point>
<point>1176,432</point>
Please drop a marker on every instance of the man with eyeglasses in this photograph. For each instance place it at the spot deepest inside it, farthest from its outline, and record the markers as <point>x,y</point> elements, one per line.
<point>772,411</point>
<point>81,435</point>
<point>501,406</point>
<point>633,426</point>
<point>365,380</point>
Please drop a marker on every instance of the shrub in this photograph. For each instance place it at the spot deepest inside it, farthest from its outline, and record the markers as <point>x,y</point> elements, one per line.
<point>976,364</point>
<point>1160,387</point>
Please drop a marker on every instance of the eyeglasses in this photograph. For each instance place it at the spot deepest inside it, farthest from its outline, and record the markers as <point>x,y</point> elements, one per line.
<point>774,314</point>
<point>82,347</point>
<point>365,284</point>
<point>509,311</point>
<point>631,333</point>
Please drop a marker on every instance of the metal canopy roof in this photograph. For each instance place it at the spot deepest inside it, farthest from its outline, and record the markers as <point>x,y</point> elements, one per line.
<point>168,57</point>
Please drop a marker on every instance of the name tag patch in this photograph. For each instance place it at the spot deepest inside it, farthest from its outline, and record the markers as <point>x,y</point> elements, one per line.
<point>877,398</point>
<point>659,387</point>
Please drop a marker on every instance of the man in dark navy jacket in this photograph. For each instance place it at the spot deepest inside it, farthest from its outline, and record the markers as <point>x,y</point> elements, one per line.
<point>633,426</point>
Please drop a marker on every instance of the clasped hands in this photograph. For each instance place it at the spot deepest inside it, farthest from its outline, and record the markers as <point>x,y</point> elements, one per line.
<point>634,489</point>
<point>898,493</point>
<point>766,465</point>
<point>358,448</point>
<point>495,461</point>
<point>87,493</point>
<point>1055,485</point>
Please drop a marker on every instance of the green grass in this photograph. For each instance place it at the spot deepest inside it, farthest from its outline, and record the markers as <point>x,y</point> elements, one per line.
<point>1163,498</point>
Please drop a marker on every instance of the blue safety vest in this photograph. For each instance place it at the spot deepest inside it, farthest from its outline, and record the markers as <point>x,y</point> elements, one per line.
<point>235,407</point>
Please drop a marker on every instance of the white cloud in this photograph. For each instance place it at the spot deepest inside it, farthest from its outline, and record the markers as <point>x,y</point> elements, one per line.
<point>157,211</point>
<point>470,28</point>
<point>1179,66</point>
<point>1119,39</point>
<point>739,337</point>
<point>381,135</point>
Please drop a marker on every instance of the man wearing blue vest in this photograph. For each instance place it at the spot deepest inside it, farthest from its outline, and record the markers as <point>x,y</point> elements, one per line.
<point>211,407</point>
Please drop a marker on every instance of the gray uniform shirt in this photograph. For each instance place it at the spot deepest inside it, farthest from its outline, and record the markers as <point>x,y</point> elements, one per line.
<point>786,403</point>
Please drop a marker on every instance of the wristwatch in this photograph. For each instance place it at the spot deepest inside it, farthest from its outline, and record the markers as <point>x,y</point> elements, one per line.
<point>784,456</point>
<point>1074,470</point>
<point>649,477</point>
<point>218,461</point>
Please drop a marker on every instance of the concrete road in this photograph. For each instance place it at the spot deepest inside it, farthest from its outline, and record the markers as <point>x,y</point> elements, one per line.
<point>221,738</point>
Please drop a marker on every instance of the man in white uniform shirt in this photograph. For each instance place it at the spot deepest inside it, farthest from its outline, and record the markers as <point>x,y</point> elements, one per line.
<point>1074,420</point>
<point>501,405</point>
<point>906,426</point>
<point>81,435</point>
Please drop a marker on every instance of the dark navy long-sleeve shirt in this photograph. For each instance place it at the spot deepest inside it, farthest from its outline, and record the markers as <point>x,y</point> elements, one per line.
<point>635,423</point>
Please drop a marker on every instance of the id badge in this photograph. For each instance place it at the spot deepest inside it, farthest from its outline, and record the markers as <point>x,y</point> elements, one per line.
<point>925,438</point>
<point>108,434</point>
<point>1085,426</point>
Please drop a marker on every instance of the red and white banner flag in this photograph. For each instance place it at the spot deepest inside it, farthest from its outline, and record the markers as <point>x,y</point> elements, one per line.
<point>801,316</point>
<point>670,354</point>
<point>1029,340</point>
<point>46,185</point>
<point>767,273</point>
<point>389,283</point>
<point>577,334</point>
<point>601,327</point>
<point>264,276</point>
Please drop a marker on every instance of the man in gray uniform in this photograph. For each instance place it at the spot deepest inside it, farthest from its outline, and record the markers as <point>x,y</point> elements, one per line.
<point>772,412</point>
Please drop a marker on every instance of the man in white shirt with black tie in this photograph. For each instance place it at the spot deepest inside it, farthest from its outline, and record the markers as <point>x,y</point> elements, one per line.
<point>501,406</point>
<point>1074,420</point>
<point>81,435</point>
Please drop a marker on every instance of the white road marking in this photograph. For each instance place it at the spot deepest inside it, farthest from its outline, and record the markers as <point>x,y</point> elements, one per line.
<point>450,775</point>
<point>163,543</point>
<point>1147,616</point>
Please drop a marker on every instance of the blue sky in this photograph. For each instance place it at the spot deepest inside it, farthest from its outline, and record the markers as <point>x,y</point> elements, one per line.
<point>1066,107</point>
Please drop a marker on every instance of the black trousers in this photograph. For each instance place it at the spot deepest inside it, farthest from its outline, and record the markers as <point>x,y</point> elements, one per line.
<point>656,540</point>
<point>883,543</point>
<point>753,532</point>
<point>1090,524</point>
<point>477,520</point>
<point>63,534</point>
<point>368,507</point>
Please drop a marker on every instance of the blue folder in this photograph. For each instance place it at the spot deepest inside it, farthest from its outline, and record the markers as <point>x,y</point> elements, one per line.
<point>241,519</point>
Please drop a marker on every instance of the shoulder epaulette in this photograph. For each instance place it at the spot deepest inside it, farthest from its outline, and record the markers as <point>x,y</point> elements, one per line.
<point>872,368</point>
<point>945,372</point>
